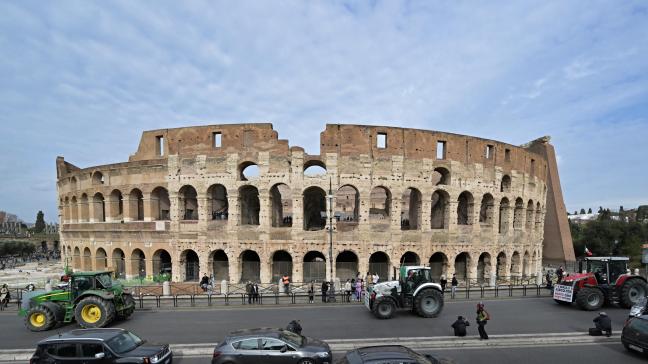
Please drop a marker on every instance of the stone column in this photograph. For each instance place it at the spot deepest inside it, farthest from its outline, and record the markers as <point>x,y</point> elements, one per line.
<point>265,212</point>
<point>234,215</point>
<point>297,212</point>
<point>92,210</point>
<point>80,207</point>
<point>203,262</point>
<point>297,269</point>
<point>395,212</point>
<point>266,269</point>
<point>148,207</point>
<point>204,215</point>
<point>364,221</point>
<point>129,272</point>
<point>174,215</point>
<point>472,268</point>
<point>426,212</point>
<point>233,263</point>
<point>177,267</point>
<point>452,215</point>
<point>148,262</point>
<point>108,213</point>
<point>128,214</point>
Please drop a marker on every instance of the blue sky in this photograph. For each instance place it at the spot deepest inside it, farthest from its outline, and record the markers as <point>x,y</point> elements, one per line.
<point>84,79</point>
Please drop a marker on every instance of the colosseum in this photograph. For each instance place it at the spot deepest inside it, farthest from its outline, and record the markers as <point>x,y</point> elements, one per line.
<point>236,202</point>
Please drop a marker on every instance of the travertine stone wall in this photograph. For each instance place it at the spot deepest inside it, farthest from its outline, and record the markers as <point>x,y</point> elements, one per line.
<point>182,204</point>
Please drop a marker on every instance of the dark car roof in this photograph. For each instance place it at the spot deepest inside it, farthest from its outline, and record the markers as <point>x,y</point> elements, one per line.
<point>374,353</point>
<point>96,334</point>
<point>265,331</point>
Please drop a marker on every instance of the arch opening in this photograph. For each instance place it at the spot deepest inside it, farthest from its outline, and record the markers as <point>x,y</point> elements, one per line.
<point>346,265</point>
<point>162,262</point>
<point>191,262</point>
<point>439,213</point>
<point>250,267</point>
<point>188,203</point>
<point>220,266</point>
<point>465,208</point>
<point>484,268</point>
<point>138,263</point>
<point>461,265</point>
<point>101,259</point>
<point>136,205</point>
<point>379,264</point>
<point>119,263</point>
<point>438,266</point>
<point>314,209</point>
<point>248,171</point>
<point>440,176</point>
<point>281,265</point>
<point>411,209</point>
<point>314,168</point>
<point>347,208</point>
<point>160,204</point>
<point>281,202</point>
<point>218,203</point>
<point>314,267</point>
<point>487,210</point>
<point>410,258</point>
<point>250,205</point>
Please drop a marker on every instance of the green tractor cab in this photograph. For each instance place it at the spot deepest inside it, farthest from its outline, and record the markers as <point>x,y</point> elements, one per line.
<point>91,298</point>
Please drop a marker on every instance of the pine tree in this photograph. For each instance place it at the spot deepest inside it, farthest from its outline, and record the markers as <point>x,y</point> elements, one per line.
<point>40,222</point>
<point>582,211</point>
<point>589,211</point>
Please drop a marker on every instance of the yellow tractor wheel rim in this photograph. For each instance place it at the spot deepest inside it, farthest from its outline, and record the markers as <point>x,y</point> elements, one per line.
<point>91,313</point>
<point>37,319</point>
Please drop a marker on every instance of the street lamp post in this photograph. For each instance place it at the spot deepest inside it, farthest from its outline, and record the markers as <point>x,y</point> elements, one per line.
<point>331,291</point>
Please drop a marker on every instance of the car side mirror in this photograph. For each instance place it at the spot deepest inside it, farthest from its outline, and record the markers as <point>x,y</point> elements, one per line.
<point>284,349</point>
<point>100,355</point>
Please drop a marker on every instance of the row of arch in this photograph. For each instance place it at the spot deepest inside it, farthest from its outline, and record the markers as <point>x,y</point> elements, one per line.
<point>134,207</point>
<point>313,264</point>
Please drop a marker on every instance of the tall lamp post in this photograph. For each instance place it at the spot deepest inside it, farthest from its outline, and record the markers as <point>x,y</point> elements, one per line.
<point>331,291</point>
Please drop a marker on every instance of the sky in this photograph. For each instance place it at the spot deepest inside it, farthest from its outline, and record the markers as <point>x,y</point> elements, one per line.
<point>83,79</point>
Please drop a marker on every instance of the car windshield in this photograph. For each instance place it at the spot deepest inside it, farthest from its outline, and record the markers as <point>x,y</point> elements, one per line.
<point>104,280</point>
<point>292,338</point>
<point>124,342</point>
<point>640,325</point>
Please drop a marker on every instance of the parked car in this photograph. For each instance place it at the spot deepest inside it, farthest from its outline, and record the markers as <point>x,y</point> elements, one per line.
<point>107,345</point>
<point>270,346</point>
<point>387,354</point>
<point>639,308</point>
<point>635,334</point>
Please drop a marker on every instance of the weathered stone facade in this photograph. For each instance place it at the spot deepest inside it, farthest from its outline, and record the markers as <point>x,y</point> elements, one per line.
<point>184,204</point>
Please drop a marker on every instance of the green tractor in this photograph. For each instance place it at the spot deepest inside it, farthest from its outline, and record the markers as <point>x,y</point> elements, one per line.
<point>90,298</point>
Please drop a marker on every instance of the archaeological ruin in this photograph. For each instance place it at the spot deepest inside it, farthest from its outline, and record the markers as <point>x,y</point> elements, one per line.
<point>236,202</point>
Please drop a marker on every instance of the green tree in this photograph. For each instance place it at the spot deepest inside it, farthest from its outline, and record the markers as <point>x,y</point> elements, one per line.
<point>642,212</point>
<point>582,211</point>
<point>40,222</point>
<point>589,211</point>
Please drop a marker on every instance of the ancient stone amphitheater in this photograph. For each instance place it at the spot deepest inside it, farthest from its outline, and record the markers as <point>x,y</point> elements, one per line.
<point>236,202</point>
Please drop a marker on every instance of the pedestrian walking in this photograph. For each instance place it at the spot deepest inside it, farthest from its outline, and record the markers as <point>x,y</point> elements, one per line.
<point>369,279</point>
<point>5,295</point>
<point>482,319</point>
<point>248,291</point>
<point>324,290</point>
<point>459,326</point>
<point>286,283</point>
<point>603,324</point>
<point>347,290</point>
<point>376,278</point>
<point>548,279</point>
<point>358,288</point>
<point>444,283</point>
<point>559,274</point>
<point>311,292</point>
<point>454,284</point>
<point>255,293</point>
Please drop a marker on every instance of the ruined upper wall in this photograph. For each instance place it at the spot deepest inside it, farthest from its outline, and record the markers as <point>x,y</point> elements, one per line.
<point>195,140</point>
<point>414,144</point>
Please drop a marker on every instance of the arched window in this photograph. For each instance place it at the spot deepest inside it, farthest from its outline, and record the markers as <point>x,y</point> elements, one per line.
<point>281,202</point>
<point>250,206</point>
<point>188,203</point>
<point>314,209</point>
<point>465,208</point>
<point>411,209</point>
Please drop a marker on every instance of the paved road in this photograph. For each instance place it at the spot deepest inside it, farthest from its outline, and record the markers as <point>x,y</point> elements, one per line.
<point>340,322</point>
<point>590,354</point>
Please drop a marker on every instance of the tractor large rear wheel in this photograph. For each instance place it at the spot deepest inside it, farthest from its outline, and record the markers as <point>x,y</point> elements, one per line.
<point>126,313</point>
<point>40,319</point>
<point>632,291</point>
<point>93,312</point>
<point>383,309</point>
<point>590,299</point>
<point>428,303</point>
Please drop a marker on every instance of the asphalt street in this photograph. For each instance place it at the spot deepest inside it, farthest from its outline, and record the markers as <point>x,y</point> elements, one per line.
<point>516,316</point>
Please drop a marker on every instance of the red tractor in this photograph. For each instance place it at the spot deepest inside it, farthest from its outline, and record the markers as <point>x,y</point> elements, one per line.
<point>604,280</point>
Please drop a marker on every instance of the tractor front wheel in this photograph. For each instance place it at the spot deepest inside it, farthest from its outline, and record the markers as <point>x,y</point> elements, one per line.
<point>632,291</point>
<point>383,309</point>
<point>590,299</point>
<point>428,303</point>
<point>39,319</point>
<point>93,312</point>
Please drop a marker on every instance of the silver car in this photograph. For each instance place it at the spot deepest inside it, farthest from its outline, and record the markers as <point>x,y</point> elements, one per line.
<point>271,346</point>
